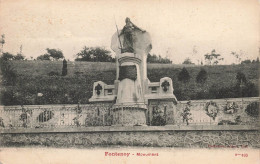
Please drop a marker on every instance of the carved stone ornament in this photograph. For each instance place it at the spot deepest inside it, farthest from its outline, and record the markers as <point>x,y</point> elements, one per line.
<point>211,109</point>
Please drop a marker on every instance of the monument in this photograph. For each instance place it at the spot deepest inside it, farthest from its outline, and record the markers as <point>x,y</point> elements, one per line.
<point>135,98</point>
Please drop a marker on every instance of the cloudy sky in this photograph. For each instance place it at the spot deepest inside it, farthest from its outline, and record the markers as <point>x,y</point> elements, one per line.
<point>179,29</point>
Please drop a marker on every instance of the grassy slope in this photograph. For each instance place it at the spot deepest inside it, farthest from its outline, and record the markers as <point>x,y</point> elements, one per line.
<point>33,78</point>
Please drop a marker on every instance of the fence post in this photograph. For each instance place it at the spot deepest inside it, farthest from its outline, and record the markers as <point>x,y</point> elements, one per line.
<point>122,122</point>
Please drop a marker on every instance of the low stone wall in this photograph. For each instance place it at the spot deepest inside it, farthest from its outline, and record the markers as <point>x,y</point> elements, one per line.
<point>160,112</point>
<point>235,136</point>
<point>218,111</point>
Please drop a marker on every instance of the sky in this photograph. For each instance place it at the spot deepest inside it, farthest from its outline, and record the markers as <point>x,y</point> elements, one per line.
<point>179,29</point>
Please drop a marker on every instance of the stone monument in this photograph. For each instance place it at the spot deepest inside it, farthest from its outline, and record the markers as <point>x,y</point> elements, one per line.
<point>134,96</point>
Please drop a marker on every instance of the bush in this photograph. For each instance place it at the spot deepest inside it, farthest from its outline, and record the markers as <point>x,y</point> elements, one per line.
<point>8,72</point>
<point>64,68</point>
<point>44,57</point>
<point>8,98</point>
<point>184,75</point>
<point>252,109</point>
<point>241,78</point>
<point>202,76</point>
<point>53,73</point>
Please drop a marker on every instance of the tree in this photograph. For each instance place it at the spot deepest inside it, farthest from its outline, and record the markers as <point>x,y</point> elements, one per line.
<point>7,56</point>
<point>19,57</point>
<point>202,76</point>
<point>157,59</point>
<point>55,54</point>
<point>213,58</point>
<point>44,57</point>
<point>237,56</point>
<point>246,61</point>
<point>64,68</point>
<point>2,41</point>
<point>8,72</point>
<point>241,78</point>
<point>184,75</point>
<point>187,61</point>
<point>94,54</point>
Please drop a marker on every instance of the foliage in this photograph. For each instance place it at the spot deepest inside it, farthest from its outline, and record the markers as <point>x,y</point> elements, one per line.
<point>186,114</point>
<point>247,61</point>
<point>64,68</point>
<point>7,56</point>
<point>157,59</point>
<point>213,58</point>
<point>55,54</point>
<point>187,61</point>
<point>252,109</point>
<point>94,54</point>
<point>241,78</point>
<point>235,91</point>
<point>231,108</point>
<point>44,57</point>
<point>32,78</point>
<point>202,76</point>
<point>184,75</point>
<point>19,57</point>
<point>237,56</point>
<point>51,53</point>
<point>211,109</point>
<point>8,72</point>
<point>158,117</point>
<point>53,73</point>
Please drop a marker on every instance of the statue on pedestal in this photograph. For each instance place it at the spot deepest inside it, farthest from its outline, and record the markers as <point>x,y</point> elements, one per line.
<point>128,35</point>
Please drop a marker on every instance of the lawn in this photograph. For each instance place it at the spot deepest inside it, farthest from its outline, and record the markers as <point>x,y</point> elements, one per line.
<point>33,77</point>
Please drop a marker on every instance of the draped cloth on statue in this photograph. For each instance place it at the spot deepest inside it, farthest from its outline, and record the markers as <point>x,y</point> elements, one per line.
<point>128,71</point>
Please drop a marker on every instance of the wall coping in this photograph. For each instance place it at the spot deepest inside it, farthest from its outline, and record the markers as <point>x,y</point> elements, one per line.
<point>134,129</point>
<point>222,100</point>
<point>180,102</point>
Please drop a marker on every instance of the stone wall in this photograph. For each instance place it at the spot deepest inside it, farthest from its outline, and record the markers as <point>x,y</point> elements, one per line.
<point>227,111</point>
<point>159,113</point>
<point>136,136</point>
<point>62,115</point>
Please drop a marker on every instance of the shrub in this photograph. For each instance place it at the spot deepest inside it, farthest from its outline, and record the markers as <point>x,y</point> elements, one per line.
<point>53,73</point>
<point>252,109</point>
<point>8,72</point>
<point>202,76</point>
<point>64,68</point>
<point>44,57</point>
<point>241,78</point>
<point>184,75</point>
<point>8,98</point>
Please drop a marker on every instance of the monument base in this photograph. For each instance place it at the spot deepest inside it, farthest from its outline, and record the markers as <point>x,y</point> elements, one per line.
<point>129,115</point>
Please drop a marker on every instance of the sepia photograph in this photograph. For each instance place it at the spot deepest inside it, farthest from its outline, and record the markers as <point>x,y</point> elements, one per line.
<point>84,81</point>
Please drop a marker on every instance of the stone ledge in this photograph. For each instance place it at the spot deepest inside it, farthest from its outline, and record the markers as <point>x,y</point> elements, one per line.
<point>133,129</point>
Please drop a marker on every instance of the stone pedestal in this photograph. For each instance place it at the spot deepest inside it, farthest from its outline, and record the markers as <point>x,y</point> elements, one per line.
<point>129,115</point>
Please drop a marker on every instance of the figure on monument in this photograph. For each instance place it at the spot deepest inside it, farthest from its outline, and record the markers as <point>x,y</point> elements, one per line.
<point>128,33</point>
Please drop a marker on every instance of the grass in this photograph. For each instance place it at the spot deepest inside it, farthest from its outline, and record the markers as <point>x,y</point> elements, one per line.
<point>32,78</point>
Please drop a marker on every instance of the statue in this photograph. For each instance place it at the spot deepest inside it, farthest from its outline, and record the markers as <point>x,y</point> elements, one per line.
<point>128,35</point>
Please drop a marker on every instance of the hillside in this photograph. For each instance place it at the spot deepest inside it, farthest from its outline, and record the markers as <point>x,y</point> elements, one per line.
<point>33,77</point>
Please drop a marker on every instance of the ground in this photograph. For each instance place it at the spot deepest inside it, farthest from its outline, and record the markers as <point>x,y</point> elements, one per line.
<point>33,77</point>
